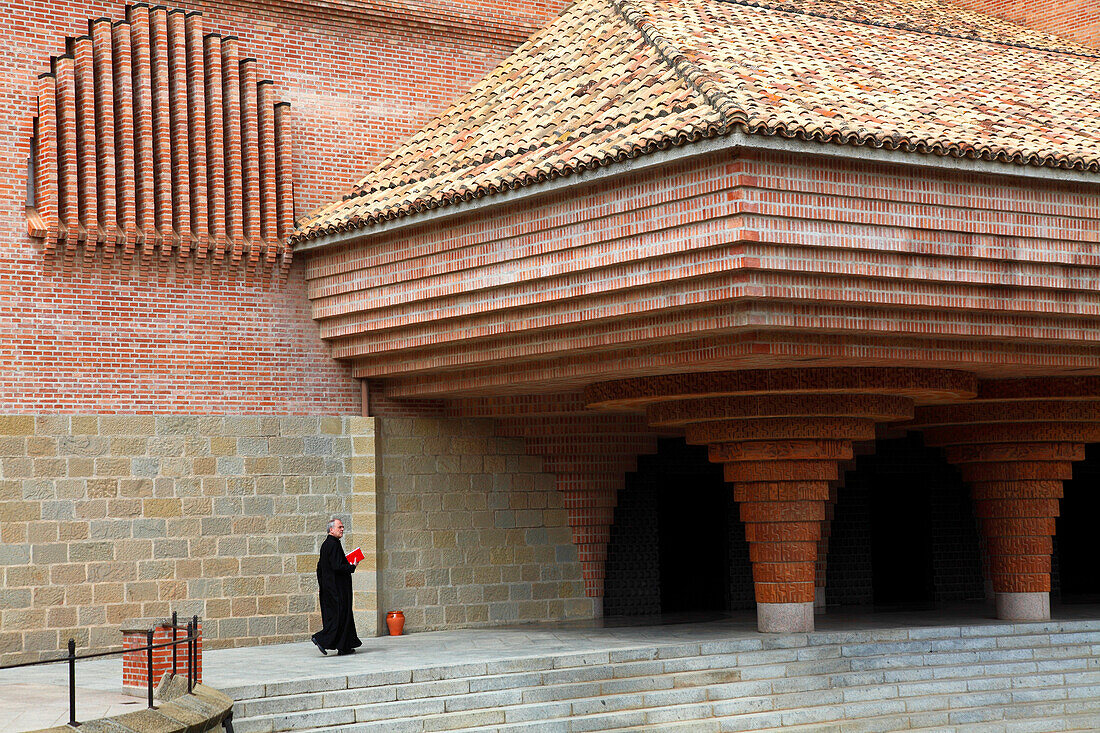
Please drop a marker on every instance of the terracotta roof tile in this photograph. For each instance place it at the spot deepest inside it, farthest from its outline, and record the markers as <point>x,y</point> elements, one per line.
<point>614,79</point>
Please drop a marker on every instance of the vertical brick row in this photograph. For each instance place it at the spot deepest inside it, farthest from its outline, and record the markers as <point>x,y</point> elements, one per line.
<point>124,143</point>
<point>46,163</point>
<point>284,178</point>
<point>231,119</point>
<point>265,97</point>
<point>68,173</point>
<point>162,128</point>
<point>84,69</point>
<point>104,96</point>
<point>215,146</point>
<point>196,127</point>
<point>174,141</point>
<point>181,158</point>
<point>145,195</point>
<point>250,158</point>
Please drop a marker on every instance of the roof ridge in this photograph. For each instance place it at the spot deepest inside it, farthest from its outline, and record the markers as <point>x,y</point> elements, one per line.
<point>911,28</point>
<point>732,114</point>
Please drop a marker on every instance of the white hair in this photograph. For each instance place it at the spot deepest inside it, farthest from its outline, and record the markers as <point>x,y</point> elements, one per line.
<point>332,523</point>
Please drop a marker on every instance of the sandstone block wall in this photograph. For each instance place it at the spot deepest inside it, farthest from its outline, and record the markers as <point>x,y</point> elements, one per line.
<point>105,518</point>
<point>472,532</point>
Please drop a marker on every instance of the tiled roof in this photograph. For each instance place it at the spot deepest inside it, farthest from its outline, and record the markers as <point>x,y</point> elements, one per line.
<point>614,79</point>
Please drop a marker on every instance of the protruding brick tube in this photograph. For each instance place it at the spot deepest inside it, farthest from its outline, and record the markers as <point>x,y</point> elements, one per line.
<point>780,436</point>
<point>1014,446</point>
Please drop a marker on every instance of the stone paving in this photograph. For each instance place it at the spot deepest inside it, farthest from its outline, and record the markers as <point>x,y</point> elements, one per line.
<point>37,697</point>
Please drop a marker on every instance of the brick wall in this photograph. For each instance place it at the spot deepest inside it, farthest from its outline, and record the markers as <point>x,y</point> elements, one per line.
<point>472,532</point>
<point>109,518</point>
<point>1076,19</point>
<point>104,337</point>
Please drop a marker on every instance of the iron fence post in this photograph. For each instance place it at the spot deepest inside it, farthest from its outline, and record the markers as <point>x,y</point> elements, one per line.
<point>195,652</point>
<point>190,641</point>
<point>149,650</point>
<point>72,683</point>
<point>174,621</point>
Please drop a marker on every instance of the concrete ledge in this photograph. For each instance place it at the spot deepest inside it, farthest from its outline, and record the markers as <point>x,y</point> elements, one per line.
<point>206,709</point>
<point>1023,606</point>
<point>785,617</point>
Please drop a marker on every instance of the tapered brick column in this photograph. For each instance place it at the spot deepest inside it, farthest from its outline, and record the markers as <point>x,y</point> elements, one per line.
<point>589,455</point>
<point>780,436</point>
<point>1014,446</point>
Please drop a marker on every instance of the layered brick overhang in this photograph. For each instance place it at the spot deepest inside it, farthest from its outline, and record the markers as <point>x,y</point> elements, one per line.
<point>733,260</point>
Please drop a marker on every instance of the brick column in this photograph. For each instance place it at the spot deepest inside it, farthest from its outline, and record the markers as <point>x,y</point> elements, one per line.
<point>780,436</point>
<point>135,665</point>
<point>1015,446</point>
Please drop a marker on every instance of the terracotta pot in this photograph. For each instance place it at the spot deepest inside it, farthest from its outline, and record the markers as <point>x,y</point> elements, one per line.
<point>395,621</point>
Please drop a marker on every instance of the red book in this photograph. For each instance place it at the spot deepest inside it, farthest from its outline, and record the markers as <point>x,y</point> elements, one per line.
<point>355,556</point>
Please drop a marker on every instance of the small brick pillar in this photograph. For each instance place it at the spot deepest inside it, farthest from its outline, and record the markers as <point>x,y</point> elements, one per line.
<point>135,665</point>
<point>1015,445</point>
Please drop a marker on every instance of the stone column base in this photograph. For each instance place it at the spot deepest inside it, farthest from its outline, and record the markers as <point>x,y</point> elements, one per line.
<point>774,618</point>
<point>1023,606</point>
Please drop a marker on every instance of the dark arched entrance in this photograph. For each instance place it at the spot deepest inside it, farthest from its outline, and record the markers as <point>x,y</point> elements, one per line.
<point>903,532</point>
<point>903,535</point>
<point>1076,578</point>
<point>677,545</point>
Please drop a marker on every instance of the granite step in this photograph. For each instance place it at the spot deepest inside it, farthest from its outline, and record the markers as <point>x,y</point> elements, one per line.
<point>725,702</point>
<point>865,679</point>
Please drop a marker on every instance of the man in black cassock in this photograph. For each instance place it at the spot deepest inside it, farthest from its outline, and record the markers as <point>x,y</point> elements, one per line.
<point>334,582</point>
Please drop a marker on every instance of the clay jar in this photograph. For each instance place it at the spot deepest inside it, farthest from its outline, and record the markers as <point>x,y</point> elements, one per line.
<point>395,621</point>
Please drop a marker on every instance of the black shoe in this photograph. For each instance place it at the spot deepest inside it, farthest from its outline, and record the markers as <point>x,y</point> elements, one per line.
<point>318,645</point>
<point>345,651</point>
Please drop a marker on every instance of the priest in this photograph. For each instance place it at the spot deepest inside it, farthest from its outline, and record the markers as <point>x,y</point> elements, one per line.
<point>334,584</point>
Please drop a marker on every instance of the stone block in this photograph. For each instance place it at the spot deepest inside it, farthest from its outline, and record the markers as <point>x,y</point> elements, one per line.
<point>19,425</point>
<point>162,507</point>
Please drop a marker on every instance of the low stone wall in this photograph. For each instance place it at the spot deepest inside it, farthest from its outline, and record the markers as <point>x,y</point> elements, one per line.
<point>106,518</point>
<point>472,532</point>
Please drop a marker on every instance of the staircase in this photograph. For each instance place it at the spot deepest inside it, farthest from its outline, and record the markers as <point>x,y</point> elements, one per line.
<point>1037,677</point>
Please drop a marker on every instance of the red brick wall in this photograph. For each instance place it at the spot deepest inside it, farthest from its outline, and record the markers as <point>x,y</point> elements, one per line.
<point>104,337</point>
<point>1076,19</point>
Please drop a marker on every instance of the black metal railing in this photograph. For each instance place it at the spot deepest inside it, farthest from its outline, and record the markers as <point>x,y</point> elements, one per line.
<point>191,639</point>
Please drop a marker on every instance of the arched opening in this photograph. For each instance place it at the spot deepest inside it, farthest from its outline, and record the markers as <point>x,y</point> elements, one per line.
<point>903,533</point>
<point>677,545</point>
<point>1076,579</point>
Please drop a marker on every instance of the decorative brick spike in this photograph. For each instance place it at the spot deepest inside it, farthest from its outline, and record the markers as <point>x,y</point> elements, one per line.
<point>84,71</point>
<point>124,144</point>
<point>180,126</point>
<point>215,145</point>
<point>144,121</point>
<point>46,162</point>
<point>231,119</point>
<point>103,81</point>
<point>162,128</point>
<point>284,178</point>
<point>68,176</point>
<point>265,99</point>
<point>196,128</point>
<point>144,131</point>
<point>1014,446</point>
<point>250,159</point>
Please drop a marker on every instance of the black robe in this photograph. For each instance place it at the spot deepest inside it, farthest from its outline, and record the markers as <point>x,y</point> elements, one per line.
<point>334,581</point>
